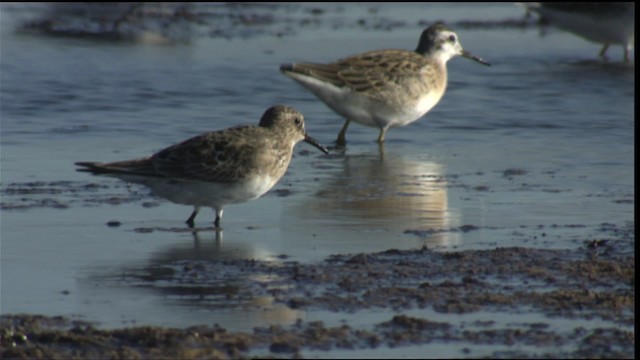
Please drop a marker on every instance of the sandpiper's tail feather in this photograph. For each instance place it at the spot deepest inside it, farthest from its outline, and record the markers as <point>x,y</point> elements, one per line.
<point>92,167</point>
<point>130,167</point>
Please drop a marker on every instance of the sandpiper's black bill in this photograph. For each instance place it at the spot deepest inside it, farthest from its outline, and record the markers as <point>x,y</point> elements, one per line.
<point>469,55</point>
<point>315,143</point>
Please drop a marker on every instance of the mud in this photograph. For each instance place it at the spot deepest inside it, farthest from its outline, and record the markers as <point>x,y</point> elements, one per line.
<point>65,194</point>
<point>176,22</point>
<point>590,283</point>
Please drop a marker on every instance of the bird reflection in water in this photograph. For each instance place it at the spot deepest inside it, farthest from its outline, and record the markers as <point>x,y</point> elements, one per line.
<point>390,192</point>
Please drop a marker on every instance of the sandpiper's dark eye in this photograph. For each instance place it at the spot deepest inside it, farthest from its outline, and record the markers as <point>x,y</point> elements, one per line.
<point>452,38</point>
<point>297,121</point>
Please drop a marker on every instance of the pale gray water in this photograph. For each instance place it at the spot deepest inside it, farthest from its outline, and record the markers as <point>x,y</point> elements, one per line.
<point>536,150</point>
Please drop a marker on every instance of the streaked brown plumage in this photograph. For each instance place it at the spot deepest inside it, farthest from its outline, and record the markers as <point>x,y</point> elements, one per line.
<point>219,167</point>
<point>384,88</point>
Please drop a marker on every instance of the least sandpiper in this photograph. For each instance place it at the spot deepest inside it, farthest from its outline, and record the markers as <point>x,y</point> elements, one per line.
<point>384,88</point>
<point>606,23</point>
<point>219,167</point>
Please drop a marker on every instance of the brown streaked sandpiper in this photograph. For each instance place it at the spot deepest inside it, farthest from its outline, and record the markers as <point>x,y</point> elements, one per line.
<point>217,168</point>
<point>384,88</point>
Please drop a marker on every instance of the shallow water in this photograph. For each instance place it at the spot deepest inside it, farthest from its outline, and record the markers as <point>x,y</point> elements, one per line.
<point>535,151</point>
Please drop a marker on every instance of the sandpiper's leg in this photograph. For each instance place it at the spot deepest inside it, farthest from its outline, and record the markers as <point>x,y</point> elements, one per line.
<point>603,51</point>
<point>381,150</point>
<point>383,131</point>
<point>193,216</point>
<point>218,217</point>
<point>341,136</point>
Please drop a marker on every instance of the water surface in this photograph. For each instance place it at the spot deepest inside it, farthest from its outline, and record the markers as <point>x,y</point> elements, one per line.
<point>535,151</point>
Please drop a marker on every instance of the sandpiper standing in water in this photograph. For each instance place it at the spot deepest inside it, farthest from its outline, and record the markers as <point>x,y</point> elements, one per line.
<point>606,23</point>
<point>384,88</point>
<point>217,168</point>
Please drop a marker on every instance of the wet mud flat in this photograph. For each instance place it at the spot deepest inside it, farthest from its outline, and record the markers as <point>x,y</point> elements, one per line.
<point>184,22</point>
<point>592,289</point>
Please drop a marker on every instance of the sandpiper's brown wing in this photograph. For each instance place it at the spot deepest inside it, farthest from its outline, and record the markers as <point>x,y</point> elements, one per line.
<point>219,156</point>
<point>213,156</point>
<point>365,73</point>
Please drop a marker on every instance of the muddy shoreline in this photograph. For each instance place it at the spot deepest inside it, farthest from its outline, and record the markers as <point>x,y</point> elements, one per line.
<point>595,282</point>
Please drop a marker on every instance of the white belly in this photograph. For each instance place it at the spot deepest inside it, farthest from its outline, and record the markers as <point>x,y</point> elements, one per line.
<point>366,110</point>
<point>200,193</point>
